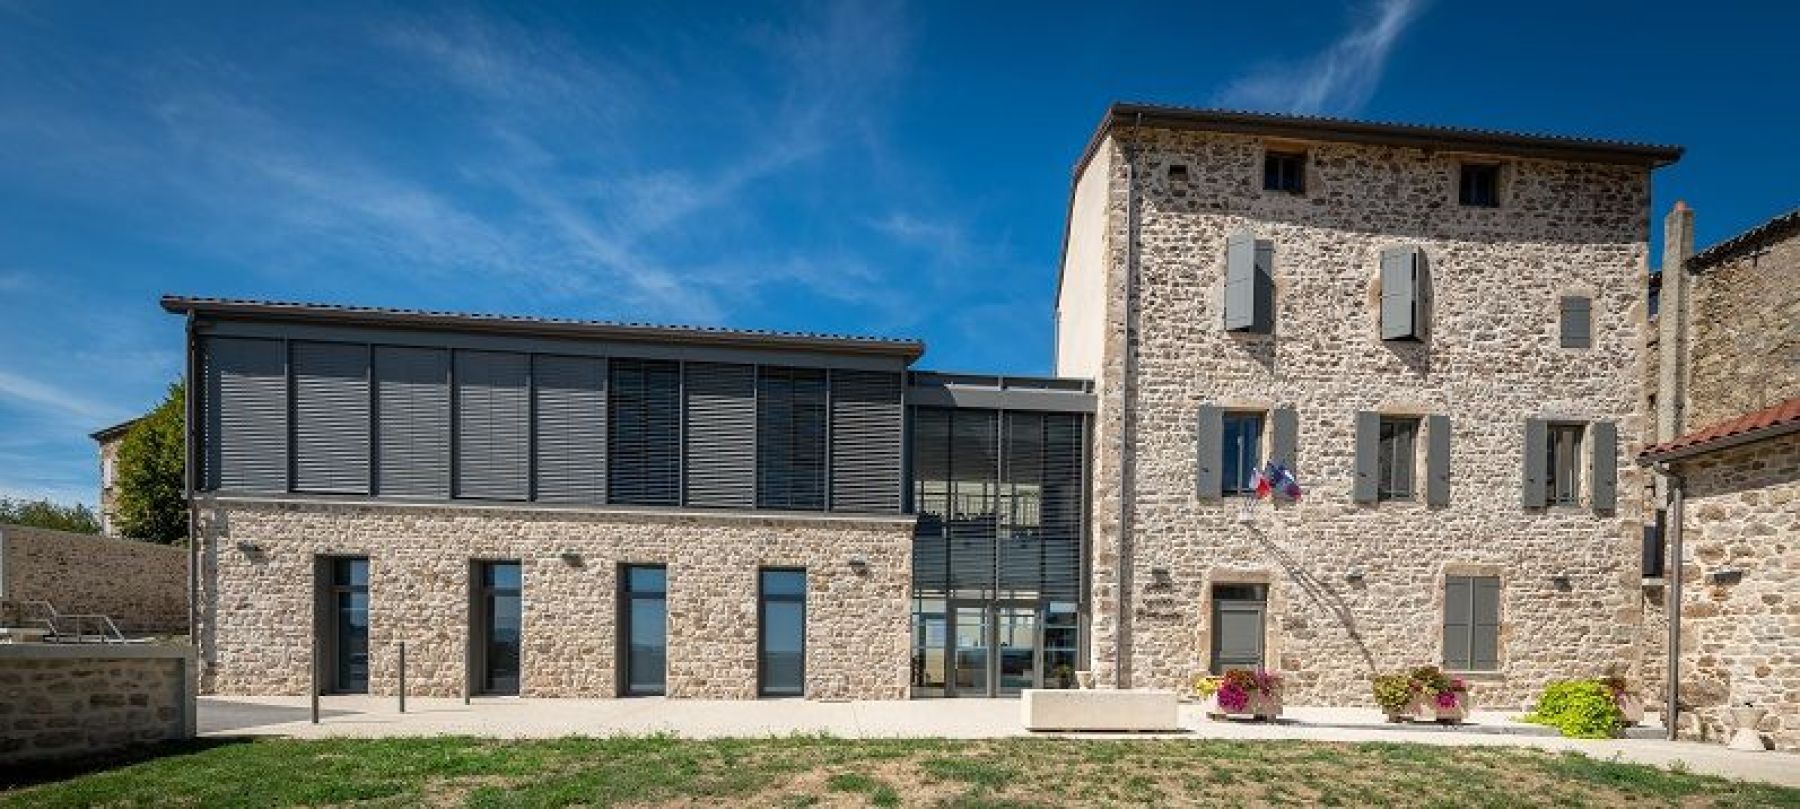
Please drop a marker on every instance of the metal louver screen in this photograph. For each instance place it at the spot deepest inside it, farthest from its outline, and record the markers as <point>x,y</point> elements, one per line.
<point>493,425</point>
<point>1040,544</point>
<point>720,435</point>
<point>931,499</point>
<point>412,414</point>
<point>790,438</point>
<point>331,417</point>
<point>644,432</point>
<point>865,441</point>
<point>246,414</point>
<point>570,413</point>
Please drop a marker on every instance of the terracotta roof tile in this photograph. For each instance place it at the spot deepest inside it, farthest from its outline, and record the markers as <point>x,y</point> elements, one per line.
<point>1785,414</point>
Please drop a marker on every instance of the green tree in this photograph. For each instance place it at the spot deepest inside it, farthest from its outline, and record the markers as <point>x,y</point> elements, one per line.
<point>45,514</point>
<point>151,500</point>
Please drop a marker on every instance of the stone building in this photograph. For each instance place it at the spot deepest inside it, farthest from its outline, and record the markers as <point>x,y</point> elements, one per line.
<point>107,441</point>
<point>1436,331</point>
<point>1727,442</point>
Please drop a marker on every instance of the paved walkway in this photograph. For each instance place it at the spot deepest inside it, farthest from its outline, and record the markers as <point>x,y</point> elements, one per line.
<point>513,718</point>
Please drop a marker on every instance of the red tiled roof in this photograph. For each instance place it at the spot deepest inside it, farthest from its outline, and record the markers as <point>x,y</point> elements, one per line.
<point>1776,420</point>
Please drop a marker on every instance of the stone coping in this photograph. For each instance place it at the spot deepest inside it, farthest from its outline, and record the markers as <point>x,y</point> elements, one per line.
<point>97,651</point>
<point>648,513</point>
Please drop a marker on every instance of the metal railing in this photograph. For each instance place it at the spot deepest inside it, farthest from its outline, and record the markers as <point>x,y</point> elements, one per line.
<point>73,627</point>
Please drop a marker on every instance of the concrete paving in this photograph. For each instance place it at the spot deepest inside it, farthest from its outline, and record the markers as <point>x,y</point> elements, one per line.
<point>514,718</point>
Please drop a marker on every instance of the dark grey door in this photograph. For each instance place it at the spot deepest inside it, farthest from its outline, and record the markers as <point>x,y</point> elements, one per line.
<point>1238,614</point>
<point>349,638</point>
<point>644,637</point>
<point>502,624</point>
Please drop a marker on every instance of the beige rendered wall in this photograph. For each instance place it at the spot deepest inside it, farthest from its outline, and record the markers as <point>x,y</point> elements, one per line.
<point>142,586</point>
<point>1081,299</point>
<point>1493,361</point>
<point>257,598</point>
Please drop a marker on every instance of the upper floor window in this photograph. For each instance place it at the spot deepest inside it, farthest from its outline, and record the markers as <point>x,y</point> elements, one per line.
<point>1284,171</point>
<point>1397,458</point>
<point>1576,321</point>
<point>790,438</point>
<point>1480,185</point>
<point>1242,448</point>
<point>1562,477</point>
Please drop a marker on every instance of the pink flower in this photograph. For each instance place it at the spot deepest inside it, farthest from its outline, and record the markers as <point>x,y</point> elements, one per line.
<point>1446,700</point>
<point>1232,698</point>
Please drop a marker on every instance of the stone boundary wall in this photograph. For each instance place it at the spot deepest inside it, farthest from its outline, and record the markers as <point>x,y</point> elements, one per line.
<point>1744,339</point>
<point>142,586</point>
<point>70,701</point>
<point>1740,608</point>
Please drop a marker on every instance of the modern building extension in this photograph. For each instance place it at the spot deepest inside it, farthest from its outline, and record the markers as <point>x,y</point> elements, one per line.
<point>1435,330</point>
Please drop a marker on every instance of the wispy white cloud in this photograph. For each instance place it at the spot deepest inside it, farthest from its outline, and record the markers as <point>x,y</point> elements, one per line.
<point>60,403</point>
<point>1337,80</point>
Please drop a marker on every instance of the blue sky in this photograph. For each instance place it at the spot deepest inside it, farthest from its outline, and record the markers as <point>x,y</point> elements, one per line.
<point>883,168</point>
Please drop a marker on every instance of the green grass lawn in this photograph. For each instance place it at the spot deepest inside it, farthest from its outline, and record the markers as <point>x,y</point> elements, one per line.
<point>813,771</point>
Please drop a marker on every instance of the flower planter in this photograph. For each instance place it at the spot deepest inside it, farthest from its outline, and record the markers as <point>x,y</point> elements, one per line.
<point>1258,706</point>
<point>1631,707</point>
<point>1427,709</point>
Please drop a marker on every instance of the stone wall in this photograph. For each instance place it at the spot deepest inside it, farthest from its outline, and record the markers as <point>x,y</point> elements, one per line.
<point>67,701</point>
<point>1570,576</point>
<point>142,586</point>
<point>1740,612</point>
<point>258,594</point>
<point>109,492</point>
<point>1744,334</point>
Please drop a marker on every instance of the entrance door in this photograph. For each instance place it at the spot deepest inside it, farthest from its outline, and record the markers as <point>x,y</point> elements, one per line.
<point>930,640</point>
<point>1015,647</point>
<point>970,637</point>
<point>502,625</point>
<point>349,638</point>
<point>1237,626</point>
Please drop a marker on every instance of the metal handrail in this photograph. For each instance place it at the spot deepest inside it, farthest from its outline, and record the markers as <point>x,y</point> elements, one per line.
<point>104,630</point>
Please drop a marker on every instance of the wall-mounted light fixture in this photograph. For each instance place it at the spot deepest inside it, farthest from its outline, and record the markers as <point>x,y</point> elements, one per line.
<point>1561,582</point>
<point>248,548</point>
<point>571,558</point>
<point>1725,576</point>
<point>1354,574</point>
<point>859,565</point>
<point>1159,577</point>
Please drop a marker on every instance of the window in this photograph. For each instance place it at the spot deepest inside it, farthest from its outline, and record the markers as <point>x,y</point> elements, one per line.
<point>1284,171</point>
<point>1238,612</point>
<point>1576,321</point>
<point>1653,545</point>
<point>790,438</point>
<point>1242,446</point>
<point>500,623</point>
<point>1405,294</point>
<point>644,632</point>
<point>1480,186</point>
<point>644,424</point>
<point>347,635</point>
<point>781,614</point>
<point>1472,623</point>
<point>1562,477</point>
<point>1397,459</point>
<point>109,471</point>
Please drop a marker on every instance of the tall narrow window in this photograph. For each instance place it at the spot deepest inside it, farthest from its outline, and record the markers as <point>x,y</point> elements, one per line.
<point>781,616</point>
<point>1562,476</point>
<point>1480,185</point>
<point>790,438</point>
<point>1397,459</point>
<point>644,433</point>
<point>500,626</point>
<point>348,632</point>
<point>644,632</point>
<point>1472,623</point>
<point>1242,448</point>
<point>1284,171</point>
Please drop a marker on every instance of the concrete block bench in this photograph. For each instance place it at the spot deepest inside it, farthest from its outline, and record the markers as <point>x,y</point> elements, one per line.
<point>1102,710</point>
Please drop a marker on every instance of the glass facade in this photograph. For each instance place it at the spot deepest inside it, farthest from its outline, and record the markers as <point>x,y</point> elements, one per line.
<point>645,629</point>
<point>781,618</point>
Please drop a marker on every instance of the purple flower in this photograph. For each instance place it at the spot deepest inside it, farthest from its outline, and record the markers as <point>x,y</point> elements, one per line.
<point>1446,700</point>
<point>1232,698</point>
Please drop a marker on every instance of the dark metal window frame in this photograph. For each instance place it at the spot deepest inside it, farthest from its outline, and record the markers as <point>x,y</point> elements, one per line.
<point>1284,171</point>
<point>1478,185</point>
<point>626,597</point>
<point>1397,458</point>
<point>765,598</point>
<point>481,616</point>
<point>325,631</point>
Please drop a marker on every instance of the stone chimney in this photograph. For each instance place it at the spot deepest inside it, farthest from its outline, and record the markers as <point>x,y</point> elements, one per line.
<point>1672,323</point>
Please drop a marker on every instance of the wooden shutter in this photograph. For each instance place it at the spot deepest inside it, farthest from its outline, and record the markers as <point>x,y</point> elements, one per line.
<point>1284,424</point>
<point>1577,322</point>
<point>331,417</point>
<point>493,425</point>
<point>1604,465</point>
<point>1458,622</point>
<point>1249,283</point>
<point>1209,428</point>
<point>720,435</point>
<point>866,424</point>
<point>1398,294</point>
<point>1424,299</point>
<point>246,414</point>
<point>1437,460</point>
<point>1536,433</point>
<point>569,409</point>
<point>1484,628</point>
<point>643,432</point>
<point>412,417</point>
<point>1365,488</point>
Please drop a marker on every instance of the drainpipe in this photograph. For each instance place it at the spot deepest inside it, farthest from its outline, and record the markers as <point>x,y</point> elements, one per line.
<point>1127,464</point>
<point>1677,494</point>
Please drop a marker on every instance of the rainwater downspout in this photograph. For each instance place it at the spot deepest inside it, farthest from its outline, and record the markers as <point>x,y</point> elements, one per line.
<point>1677,495</point>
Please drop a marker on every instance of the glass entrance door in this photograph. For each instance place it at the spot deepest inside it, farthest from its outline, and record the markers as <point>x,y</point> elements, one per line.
<point>350,625</point>
<point>970,637</point>
<point>502,627</point>
<point>1015,647</point>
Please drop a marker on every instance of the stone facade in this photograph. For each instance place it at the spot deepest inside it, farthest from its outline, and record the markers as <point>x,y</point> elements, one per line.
<point>1740,612</point>
<point>1743,337</point>
<point>142,586</point>
<point>1570,599</point>
<point>257,603</point>
<point>73,701</point>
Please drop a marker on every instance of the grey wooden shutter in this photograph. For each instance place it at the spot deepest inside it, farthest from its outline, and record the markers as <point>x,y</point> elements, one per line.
<point>1285,430</point>
<point>1365,488</point>
<point>331,417</point>
<point>569,407</point>
<point>412,418</point>
<point>643,432</point>
<point>1458,622</point>
<point>1437,460</point>
<point>1397,293</point>
<point>1536,433</point>
<point>493,425</point>
<point>790,438</point>
<point>1604,465</point>
<point>866,425</point>
<point>247,419</point>
<point>1249,283</point>
<point>1484,624</point>
<point>1422,294</point>
<point>720,435</point>
<point>1209,436</point>
<point>1576,322</point>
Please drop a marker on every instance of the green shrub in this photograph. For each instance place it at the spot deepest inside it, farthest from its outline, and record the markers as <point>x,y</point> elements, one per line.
<point>1581,709</point>
<point>1393,692</point>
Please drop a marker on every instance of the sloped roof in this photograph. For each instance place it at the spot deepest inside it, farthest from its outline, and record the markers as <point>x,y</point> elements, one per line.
<point>109,433</point>
<point>1775,229</point>
<point>1769,422</point>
